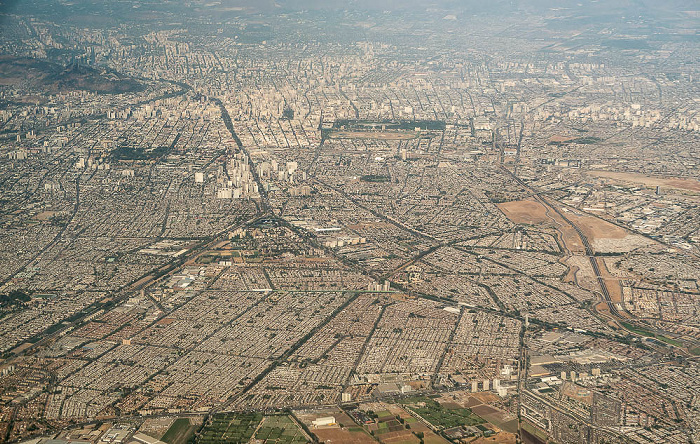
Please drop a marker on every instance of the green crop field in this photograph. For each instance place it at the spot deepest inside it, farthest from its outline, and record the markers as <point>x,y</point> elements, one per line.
<point>230,428</point>
<point>179,432</point>
<point>278,430</point>
<point>439,416</point>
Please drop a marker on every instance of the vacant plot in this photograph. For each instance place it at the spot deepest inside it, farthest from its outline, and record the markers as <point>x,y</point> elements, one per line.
<point>595,228</point>
<point>405,436</point>
<point>353,435</point>
<point>561,138</point>
<point>641,179</point>
<point>604,236</point>
<point>570,276</point>
<point>570,237</point>
<point>524,211</point>
<point>498,438</point>
<point>45,215</point>
<point>611,282</point>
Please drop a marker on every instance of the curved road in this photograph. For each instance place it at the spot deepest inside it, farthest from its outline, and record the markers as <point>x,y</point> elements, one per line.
<point>587,246</point>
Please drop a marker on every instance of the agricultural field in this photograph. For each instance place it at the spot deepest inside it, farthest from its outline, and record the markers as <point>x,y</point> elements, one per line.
<point>278,430</point>
<point>441,416</point>
<point>180,431</point>
<point>230,428</point>
<point>344,432</point>
<point>388,423</point>
<point>390,430</point>
<point>391,424</point>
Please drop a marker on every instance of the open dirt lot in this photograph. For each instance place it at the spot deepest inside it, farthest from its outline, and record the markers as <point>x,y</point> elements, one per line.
<point>603,236</point>
<point>606,237</point>
<point>613,283</point>
<point>595,228</point>
<point>499,438</point>
<point>524,212</point>
<point>342,436</point>
<point>679,184</point>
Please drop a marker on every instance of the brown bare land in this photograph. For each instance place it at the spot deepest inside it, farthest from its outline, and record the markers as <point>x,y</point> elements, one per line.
<point>570,276</point>
<point>404,436</point>
<point>432,438</point>
<point>342,436</point>
<point>499,438</point>
<point>524,212</point>
<point>595,228</point>
<point>611,282</point>
<point>45,215</point>
<point>529,211</point>
<point>582,272</point>
<point>606,237</point>
<point>571,239</point>
<point>602,307</point>
<point>679,184</point>
<point>472,402</point>
<point>558,138</point>
<point>499,418</point>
